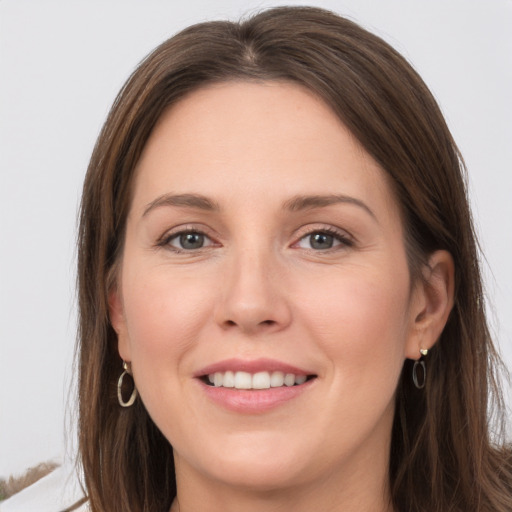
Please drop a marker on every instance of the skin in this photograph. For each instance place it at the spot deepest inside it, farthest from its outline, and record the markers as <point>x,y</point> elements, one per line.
<point>258,288</point>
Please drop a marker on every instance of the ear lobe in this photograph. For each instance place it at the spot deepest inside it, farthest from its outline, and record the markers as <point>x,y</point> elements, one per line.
<point>118,322</point>
<point>432,304</point>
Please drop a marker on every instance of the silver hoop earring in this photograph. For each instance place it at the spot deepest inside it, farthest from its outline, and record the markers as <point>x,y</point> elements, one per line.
<point>420,384</point>
<point>134,394</point>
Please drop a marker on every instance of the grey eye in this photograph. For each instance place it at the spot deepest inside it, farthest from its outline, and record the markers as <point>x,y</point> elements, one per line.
<point>191,241</point>
<point>188,241</point>
<point>321,241</point>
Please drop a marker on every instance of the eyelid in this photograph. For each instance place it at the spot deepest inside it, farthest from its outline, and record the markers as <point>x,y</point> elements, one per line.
<point>167,236</point>
<point>341,235</point>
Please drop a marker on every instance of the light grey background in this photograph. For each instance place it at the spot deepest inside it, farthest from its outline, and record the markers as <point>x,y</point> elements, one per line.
<point>61,65</point>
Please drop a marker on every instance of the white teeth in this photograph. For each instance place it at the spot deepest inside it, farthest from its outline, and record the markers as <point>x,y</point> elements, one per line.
<point>218,379</point>
<point>289,379</point>
<point>300,379</point>
<point>243,380</point>
<point>259,380</point>
<point>229,380</point>
<point>277,379</point>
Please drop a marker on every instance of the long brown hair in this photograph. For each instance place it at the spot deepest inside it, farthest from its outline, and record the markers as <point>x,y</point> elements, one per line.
<point>444,455</point>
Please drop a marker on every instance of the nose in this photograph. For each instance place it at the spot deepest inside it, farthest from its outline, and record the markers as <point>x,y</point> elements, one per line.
<point>253,296</point>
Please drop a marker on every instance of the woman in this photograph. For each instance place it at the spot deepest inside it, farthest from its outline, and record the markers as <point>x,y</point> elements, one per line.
<point>275,243</point>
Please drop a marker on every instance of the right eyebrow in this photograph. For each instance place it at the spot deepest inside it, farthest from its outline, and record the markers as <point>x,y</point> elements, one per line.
<point>298,203</point>
<point>184,200</point>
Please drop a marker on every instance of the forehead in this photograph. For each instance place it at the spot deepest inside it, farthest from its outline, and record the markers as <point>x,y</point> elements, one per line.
<point>271,138</point>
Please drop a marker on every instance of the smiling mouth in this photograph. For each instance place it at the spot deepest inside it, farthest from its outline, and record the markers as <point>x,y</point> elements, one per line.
<point>254,381</point>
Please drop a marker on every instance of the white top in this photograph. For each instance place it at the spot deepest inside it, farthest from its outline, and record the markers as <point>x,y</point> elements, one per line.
<point>59,491</point>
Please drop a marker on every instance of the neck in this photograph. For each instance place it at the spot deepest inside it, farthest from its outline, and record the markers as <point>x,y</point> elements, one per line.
<point>357,490</point>
<point>260,504</point>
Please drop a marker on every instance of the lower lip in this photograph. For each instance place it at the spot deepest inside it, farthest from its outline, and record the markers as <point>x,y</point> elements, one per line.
<point>254,401</point>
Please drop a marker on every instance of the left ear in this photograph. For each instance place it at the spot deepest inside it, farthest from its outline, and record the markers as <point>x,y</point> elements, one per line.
<point>431,303</point>
<point>118,322</point>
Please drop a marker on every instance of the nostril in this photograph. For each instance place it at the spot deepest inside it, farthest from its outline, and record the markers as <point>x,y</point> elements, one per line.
<point>232,323</point>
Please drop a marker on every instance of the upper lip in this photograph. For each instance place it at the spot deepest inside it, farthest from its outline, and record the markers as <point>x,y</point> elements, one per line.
<point>253,366</point>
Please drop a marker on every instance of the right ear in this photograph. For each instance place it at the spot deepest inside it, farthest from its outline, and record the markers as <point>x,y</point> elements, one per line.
<point>118,322</point>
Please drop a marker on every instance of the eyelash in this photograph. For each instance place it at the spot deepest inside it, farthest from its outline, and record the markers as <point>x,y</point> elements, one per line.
<point>165,240</point>
<point>344,240</point>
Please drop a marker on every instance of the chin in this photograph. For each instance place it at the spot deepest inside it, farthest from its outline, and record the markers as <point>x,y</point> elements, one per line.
<point>257,463</point>
<point>260,475</point>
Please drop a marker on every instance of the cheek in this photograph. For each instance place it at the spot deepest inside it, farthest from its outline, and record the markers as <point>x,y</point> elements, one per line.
<point>359,317</point>
<point>360,322</point>
<point>165,314</point>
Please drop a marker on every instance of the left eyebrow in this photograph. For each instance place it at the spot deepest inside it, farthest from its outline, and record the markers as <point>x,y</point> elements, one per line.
<point>184,201</point>
<point>298,203</point>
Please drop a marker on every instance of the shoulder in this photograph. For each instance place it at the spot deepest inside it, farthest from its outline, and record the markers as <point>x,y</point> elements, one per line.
<point>60,490</point>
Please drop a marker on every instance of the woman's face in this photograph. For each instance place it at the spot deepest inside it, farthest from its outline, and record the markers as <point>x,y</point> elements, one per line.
<point>264,249</point>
